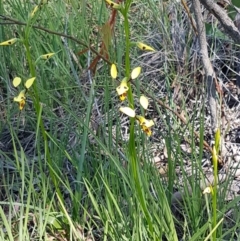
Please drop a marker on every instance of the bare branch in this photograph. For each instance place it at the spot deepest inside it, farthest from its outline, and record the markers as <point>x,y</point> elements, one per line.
<point>209,72</point>
<point>14,21</point>
<point>221,15</point>
<point>189,15</point>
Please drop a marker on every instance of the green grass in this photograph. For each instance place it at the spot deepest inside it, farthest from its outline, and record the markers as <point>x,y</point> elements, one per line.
<point>67,170</point>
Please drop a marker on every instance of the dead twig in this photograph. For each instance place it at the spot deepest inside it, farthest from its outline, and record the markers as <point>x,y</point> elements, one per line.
<point>14,21</point>
<point>209,72</point>
<point>189,16</point>
<point>226,22</point>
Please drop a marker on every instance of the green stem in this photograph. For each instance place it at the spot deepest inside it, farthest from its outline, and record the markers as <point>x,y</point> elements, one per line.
<point>132,148</point>
<point>127,59</point>
<point>214,200</point>
<point>30,62</point>
<point>127,45</point>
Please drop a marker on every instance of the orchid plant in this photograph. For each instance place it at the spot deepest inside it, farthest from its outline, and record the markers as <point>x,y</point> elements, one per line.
<point>125,93</point>
<point>122,91</point>
<point>24,39</point>
<point>21,98</point>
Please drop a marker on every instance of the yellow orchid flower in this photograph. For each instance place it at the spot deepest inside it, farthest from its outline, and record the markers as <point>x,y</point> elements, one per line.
<point>47,56</point>
<point>143,46</point>
<point>22,104</point>
<point>135,72</point>
<point>114,71</point>
<point>9,42</point>
<point>113,4</point>
<point>21,96</point>
<point>208,190</point>
<point>122,89</point>
<point>147,130</point>
<point>34,11</point>
<point>145,124</point>
<point>21,99</point>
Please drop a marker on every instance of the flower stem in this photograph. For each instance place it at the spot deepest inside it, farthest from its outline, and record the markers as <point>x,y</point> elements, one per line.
<point>214,198</point>
<point>134,164</point>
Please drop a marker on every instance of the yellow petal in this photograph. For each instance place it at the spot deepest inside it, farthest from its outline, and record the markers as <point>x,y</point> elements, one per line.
<point>47,56</point>
<point>208,190</point>
<point>122,88</point>
<point>20,97</point>
<point>149,123</point>
<point>16,81</point>
<point>144,102</point>
<point>135,72</point>
<point>9,42</point>
<point>128,111</point>
<point>34,11</point>
<point>114,71</point>
<point>144,122</point>
<point>113,4</point>
<point>29,82</point>
<point>143,46</point>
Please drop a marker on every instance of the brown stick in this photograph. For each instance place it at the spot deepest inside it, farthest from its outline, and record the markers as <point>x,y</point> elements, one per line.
<point>223,18</point>
<point>13,21</point>
<point>189,16</point>
<point>209,72</point>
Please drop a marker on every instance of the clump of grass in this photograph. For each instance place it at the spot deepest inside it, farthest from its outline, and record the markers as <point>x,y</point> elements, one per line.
<point>67,171</point>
